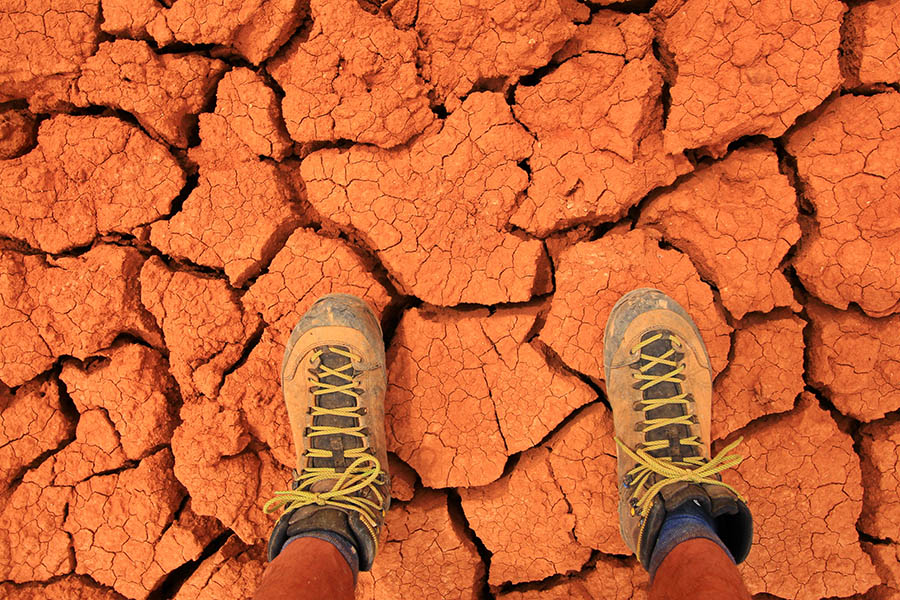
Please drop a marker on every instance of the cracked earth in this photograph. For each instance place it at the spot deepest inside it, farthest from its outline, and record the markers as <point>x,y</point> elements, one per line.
<point>181,179</point>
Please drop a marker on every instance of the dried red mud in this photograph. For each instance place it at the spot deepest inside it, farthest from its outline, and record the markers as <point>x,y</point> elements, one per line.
<point>467,44</point>
<point>525,523</point>
<point>764,375</point>
<point>855,360</point>
<point>416,206</point>
<point>886,558</point>
<point>583,461</point>
<point>96,449</point>
<point>611,578</point>
<point>70,588</point>
<point>204,325</point>
<point>803,483</point>
<point>592,276</point>
<point>880,460</point>
<point>424,554</point>
<point>848,163</point>
<point>181,179</point>
<point>45,44</point>
<point>133,387</point>
<point>871,41</point>
<point>117,522</point>
<point>748,68</point>
<point>219,225</point>
<point>67,306</point>
<point>17,132</point>
<point>354,77</point>
<point>86,177</point>
<point>466,390</point>
<point>32,422</point>
<point>598,122</point>
<point>164,91</point>
<point>232,571</point>
<point>736,219</point>
<point>35,548</point>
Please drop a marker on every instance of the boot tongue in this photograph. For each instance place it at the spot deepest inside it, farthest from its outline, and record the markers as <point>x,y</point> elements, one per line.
<point>336,444</point>
<point>667,389</point>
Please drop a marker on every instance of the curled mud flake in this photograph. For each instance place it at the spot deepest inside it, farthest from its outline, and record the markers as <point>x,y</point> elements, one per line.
<point>880,452</point>
<point>226,478</point>
<point>611,578</point>
<point>233,571</point>
<point>96,449</point>
<point>45,43</point>
<point>252,110</point>
<point>33,545</point>
<point>134,388</point>
<point>425,553</point>
<point>465,390</point>
<point>736,219</point>
<point>598,123</point>
<point>524,521</point>
<point>116,521</point>
<point>203,323</point>
<point>254,29</point>
<point>855,360</point>
<point>220,225</point>
<point>129,18</point>
<point>31,423</point>
<point>849,164</point>
<point>354,78</point>
<point>872,37</point>
<point>436,212</point>
<point>17,132</point>
<point>765,374</point>
<point>471,45</point>
<point>87,176</point>
<point>802,461</point>
<point>73,587</point>
<point>583,460</point>
<point>164,91</point>
<point>403,479</point>
<point>747,68</point>
<point>70,305</point>
<point>308,267</point>
<point>886,558</point>
<point>592,276</point>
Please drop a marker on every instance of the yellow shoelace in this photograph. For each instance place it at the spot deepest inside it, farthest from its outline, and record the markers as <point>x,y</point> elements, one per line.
<point>694,469</point>
<point>365,470</point>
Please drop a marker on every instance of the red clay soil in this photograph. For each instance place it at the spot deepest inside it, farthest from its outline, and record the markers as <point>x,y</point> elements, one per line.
<point>181,179</point>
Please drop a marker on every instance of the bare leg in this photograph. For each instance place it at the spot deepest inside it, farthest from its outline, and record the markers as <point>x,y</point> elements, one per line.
<point>700,570</point>
<point>307,568</point>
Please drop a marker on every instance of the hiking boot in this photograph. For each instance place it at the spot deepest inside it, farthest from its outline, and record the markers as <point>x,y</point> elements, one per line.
<point>659,384</point>
<point>333,379</point>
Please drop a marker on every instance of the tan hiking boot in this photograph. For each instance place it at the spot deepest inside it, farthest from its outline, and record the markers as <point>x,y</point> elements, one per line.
<point>333,379</point>
<point>659,384</point>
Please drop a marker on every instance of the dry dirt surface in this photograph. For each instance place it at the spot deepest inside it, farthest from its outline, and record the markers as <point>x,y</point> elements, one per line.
<point>181,179</point>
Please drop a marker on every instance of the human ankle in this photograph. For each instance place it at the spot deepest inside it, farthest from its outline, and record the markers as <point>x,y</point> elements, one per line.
<point>688,521</point>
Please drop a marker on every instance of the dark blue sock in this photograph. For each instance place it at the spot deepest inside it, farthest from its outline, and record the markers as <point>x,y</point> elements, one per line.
<point>344,546</point>
<point>688,521</point>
